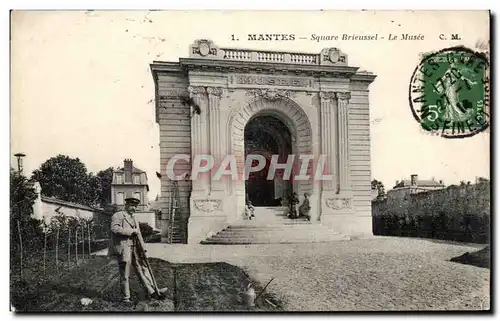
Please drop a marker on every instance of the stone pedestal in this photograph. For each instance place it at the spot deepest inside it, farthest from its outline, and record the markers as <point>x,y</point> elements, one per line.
<point>208,217</point>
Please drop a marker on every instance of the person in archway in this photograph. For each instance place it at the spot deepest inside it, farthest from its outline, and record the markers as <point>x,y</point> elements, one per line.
<point>294,201</point>
<point>305,208</point>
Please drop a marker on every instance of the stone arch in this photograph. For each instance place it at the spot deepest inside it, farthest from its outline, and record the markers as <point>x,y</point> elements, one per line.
<point>284,109</point>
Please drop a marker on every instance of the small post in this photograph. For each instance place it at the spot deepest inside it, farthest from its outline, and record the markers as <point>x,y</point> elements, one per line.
<point>88,232</point>
<point>69,245</point>
<point>57,249</point>
<point>83,241</point>
<point>76,244</point>
<point>44,248</point>
<point>21,246</point>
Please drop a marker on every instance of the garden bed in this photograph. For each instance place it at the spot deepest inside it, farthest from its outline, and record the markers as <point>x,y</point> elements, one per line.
<point>191,287</point>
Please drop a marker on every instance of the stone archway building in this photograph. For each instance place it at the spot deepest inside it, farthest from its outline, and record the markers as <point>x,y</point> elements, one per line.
<point>322,100</point>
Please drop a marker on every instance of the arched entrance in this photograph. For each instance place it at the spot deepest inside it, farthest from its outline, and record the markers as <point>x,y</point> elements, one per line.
<point>298,141</point>
<point>267,135</point>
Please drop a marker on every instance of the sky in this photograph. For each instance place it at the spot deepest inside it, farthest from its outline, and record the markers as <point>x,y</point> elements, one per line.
<point>81,84</point>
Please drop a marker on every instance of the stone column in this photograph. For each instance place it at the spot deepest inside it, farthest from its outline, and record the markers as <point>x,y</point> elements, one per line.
<point>343,141</point>
<point>199,141</point>
<point>336,198</point>
<point>328,139</point>
<point>216,132</point>
<point>207,214</point>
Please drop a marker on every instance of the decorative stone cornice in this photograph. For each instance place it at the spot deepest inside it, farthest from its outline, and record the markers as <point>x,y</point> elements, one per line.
<point>343,96</point>
<point>196,90</point>
<point>214,91</point>
<point>270,94</point>
<point>225,66</point>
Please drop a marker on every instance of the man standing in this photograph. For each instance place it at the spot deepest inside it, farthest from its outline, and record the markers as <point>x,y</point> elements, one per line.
<point>125,235</point>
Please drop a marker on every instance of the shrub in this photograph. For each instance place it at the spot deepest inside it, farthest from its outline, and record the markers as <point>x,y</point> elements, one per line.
<point>146,230</point>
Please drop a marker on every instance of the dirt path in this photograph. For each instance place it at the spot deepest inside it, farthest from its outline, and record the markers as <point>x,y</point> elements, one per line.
<point>376,274</point>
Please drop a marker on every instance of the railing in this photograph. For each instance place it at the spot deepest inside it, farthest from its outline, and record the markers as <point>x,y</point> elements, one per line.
<point>231,54</point>
<point>270,56</point>
<point>305,59</point>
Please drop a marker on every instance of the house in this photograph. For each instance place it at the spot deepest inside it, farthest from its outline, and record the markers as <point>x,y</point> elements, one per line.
<point>414,186</point>
<point>131,181</point>
<point>44,208</point>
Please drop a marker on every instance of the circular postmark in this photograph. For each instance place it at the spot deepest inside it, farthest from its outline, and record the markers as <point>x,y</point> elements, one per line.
<point>449,92</point>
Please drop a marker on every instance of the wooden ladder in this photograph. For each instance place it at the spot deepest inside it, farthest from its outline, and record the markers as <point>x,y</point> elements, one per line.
<point>174,234</point>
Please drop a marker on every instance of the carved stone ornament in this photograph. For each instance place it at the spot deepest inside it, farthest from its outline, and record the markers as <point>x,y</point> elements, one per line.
<point>334,55</point>
<point>338,203</point>
<point>215,91</point>
<point>196,90</point>
<point>203,47</point>
<point>343,96</point>
<point>327,95</point>
<point>208,206</point>
<point>270,94</point>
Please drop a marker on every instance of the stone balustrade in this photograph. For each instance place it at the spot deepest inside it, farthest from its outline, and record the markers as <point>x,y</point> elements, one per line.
<point>207,49</point>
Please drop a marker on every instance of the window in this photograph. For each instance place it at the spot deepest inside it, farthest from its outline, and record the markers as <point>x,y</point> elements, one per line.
<point>119,179</point>
<point>137,179</point>
<point>138,196</point>
<point>119,198</point>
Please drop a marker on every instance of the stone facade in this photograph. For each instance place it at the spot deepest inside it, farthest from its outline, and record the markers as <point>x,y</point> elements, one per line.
<point>320,98</point>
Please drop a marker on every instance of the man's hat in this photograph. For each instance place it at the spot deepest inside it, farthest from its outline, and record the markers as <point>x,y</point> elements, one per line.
<point>132,200</point>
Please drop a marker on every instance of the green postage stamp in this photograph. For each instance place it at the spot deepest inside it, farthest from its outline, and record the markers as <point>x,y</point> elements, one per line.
<point>449,93</point>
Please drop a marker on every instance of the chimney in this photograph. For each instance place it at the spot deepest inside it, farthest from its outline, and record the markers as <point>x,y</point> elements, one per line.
<point>441,182</point>
<point>397,182</point>
<point>413,179</point>
<point>127,168</point>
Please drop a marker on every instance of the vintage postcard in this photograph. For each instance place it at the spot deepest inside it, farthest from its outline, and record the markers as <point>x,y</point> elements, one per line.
<point>250,161</point>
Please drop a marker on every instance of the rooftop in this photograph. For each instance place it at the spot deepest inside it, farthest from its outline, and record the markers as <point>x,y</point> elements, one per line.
<point>70,204</point>
<point>134,170</point>
<point>420,183</point>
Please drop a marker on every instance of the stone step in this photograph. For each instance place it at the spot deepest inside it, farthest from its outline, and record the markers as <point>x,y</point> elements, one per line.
<point>271,225</point>
<point>273,235</point>
<point>274,227</point>
<point>272,240</point>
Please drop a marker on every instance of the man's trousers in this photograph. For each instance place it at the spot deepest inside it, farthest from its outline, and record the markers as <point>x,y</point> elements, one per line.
<point>141,270</point>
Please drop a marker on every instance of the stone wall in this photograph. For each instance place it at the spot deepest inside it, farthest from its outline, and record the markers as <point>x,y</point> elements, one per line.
<point>460,213</point>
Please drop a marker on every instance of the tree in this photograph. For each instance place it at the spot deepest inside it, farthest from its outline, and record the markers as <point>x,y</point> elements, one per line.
<point>25,231</point>
<point>482,180</point>
<point>67,179</point>
<point>105,179</point>
<point>379,186</point>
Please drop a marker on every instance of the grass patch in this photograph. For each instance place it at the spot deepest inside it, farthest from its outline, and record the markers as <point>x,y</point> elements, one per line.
<point>191,287</point>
